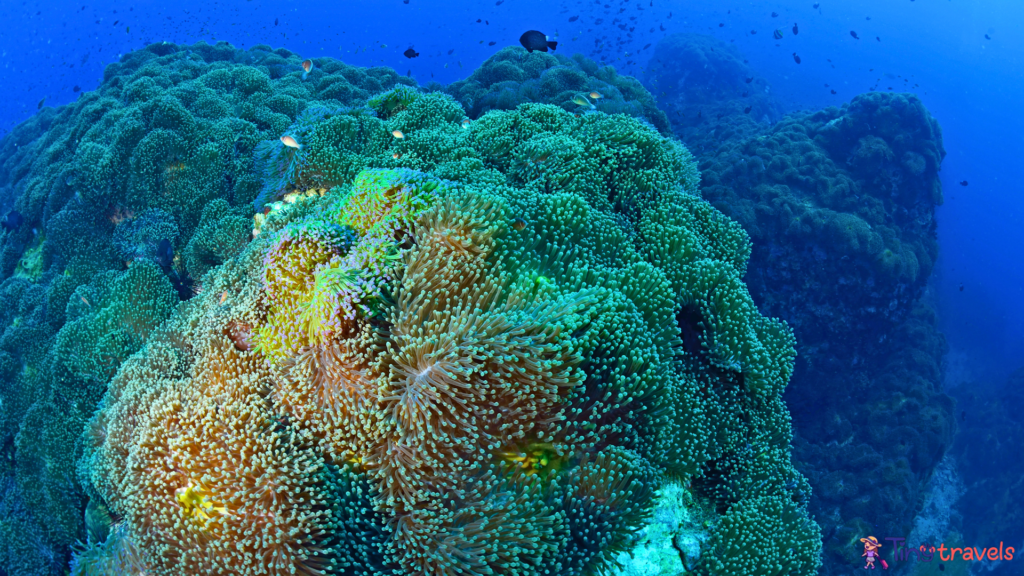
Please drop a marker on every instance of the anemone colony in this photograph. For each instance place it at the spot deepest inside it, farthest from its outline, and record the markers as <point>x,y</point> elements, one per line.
<point>482,348</point>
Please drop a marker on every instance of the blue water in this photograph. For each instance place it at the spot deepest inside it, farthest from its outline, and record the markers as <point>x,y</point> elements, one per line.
<point>52,52</point>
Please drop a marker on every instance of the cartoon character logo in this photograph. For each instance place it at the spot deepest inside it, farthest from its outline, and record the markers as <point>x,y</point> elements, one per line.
<point>871,547</point>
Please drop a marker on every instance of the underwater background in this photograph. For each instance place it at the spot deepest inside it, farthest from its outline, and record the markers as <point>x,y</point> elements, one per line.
<point>740,285</point>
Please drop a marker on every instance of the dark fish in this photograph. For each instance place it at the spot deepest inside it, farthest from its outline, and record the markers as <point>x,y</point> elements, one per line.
<point>450,51</point>
<point>796,58</point>
<point>646,46</point>
<point>670,15</point>
<point>12,220</point>
<point>753,31</point>
<point>987,37</point>
<point>721,25</point>
<point>499,2</point>
<point>479,20</point>
<point>573,18</point>
<point>963,182</point>
<point>746,110</point>
<point>40,105</point>
<point>77,88</point>
<point>115,22</point>
<point>833,91</point>
<point>410,53</point>
<point>165,253</point>
<point>796,30</point>
<point>942,567</point>
<point>745,93</point>
<point>275,21</point>
<point>748,80</point>
<point>877,38</point>
<point>816,4</point>
<point>777,35</point>
<point>854,34</point>
<point>775,14</point>
<point>491,43</point>
<point>662,27</point>
<point>405,1</point>
<point>182,285</point>
<point>534,40</point>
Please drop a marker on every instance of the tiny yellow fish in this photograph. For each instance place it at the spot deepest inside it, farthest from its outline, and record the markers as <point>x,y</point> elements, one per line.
<point>596,95</point>
<point>396,155</point>
<point>290,142</point>
<point>307,67</point>
<point>397,134</point>
<point>582,101</point>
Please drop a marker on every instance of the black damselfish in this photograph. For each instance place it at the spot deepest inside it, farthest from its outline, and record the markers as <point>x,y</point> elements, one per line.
<point>534,40</point>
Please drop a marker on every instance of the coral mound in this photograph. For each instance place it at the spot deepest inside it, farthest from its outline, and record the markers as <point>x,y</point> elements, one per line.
<point>481,353</point>
<point>512,76</point>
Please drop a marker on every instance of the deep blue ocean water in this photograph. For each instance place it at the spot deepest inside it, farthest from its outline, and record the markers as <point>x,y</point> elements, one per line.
<point>963,58</point>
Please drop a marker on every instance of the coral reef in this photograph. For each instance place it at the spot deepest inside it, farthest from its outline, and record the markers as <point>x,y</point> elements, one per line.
<point>483,356</point>
<point>129,196</point>
<point>844,175</point>
<point>840,208</point>
<point>706,89</point>
<point>513,76</point>
<point>459,335</point>
<point>222,233</point>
